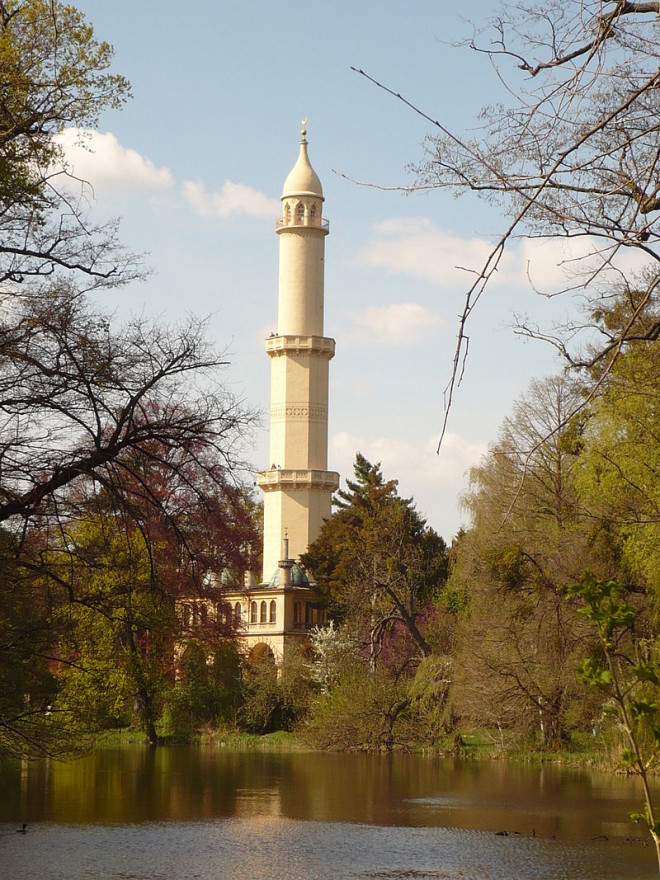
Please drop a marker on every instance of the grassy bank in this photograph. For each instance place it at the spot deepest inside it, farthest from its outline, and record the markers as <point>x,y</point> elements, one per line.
<point>224,739</point>
<point>586,751</point>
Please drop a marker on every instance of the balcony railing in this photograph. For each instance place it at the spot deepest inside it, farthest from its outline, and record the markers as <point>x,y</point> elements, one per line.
<point>294,224</point>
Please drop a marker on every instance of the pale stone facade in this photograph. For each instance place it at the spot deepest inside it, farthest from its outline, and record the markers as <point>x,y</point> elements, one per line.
<point>298,486</point>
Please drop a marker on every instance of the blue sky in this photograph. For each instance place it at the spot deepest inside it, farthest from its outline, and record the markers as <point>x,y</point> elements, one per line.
<point>195,162</point>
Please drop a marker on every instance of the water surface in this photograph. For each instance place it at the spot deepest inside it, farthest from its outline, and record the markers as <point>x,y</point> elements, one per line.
<point>203,812</point>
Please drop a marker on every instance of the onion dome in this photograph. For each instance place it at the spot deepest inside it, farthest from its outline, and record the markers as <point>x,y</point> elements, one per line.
<point>302,179</point>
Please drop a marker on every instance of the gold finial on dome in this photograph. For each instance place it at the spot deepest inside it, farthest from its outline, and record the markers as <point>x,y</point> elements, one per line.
<point>303,131</point>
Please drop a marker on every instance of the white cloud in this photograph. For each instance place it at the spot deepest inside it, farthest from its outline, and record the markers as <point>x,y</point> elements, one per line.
<point>101,160</point>
<point>396,324</point>
<point>434,481</point>
<point>231,198</point>
<point>418,248</point>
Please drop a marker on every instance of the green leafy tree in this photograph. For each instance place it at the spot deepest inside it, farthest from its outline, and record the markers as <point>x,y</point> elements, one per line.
<point>29,724</point>
<point>517,641</point>
<point>208,689</point>
<point>619,477</point>
<point>378,560</point>
<point>54,74</point>
<point>90,409</point>
<point>116,633</point>
<point>275,698</point>
<point>362,713</point>
<point>119,569</point>
<point>626,671</point>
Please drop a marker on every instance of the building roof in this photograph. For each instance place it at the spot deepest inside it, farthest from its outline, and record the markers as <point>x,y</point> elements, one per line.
<point>298,577</point>
<point>302,179</point>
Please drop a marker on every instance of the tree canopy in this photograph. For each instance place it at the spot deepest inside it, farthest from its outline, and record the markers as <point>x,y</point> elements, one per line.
<point>377,559</point>
<point>55,74</point>
<point>123,434</point>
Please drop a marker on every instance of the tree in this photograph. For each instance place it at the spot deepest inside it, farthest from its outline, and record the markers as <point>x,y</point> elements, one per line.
<point>133,418</point>
<point>361,713</point>
<point>54,74</point>
<point>378,560</point>
<point>275,698</point>
<point>28,724</point>
<point>570,153</point>
<point>627,673</point>
<point>78,396</point>
<point>207,690</point>
<point>115,634</point>
<point>518,642</point>
<point>619,466</point>
<point>115,571</point>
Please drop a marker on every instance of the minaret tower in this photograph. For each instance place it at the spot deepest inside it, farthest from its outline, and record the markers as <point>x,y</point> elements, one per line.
<point>298,486</point>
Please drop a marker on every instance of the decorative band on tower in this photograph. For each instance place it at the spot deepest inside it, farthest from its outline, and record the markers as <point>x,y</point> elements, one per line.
<point>298,486</point>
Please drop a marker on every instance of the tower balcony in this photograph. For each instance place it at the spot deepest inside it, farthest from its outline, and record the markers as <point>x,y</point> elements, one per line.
<point>320,345</point>
<point>284,223</point>
<point>283,480</point>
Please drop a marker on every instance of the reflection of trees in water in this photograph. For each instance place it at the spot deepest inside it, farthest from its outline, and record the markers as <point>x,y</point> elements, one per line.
<point>137,784</point>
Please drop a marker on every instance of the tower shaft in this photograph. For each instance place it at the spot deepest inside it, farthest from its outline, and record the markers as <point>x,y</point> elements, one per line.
<point>298,487</point>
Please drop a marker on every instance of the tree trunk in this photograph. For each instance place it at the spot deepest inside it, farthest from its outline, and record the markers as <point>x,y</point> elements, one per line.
<point>143,698</point>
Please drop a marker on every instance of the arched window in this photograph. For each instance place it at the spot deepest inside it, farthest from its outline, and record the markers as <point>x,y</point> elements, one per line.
<point>300,213</point>
<point>263,612</point>
<point>287,214</point>
<point>195,611</point>
<point>296,613</point>
<point>237,612</point>
<point>312,214</point>
<point>272,617</point>
<point>187,614</point>
<point>253,612</point>
<point>203,613</point>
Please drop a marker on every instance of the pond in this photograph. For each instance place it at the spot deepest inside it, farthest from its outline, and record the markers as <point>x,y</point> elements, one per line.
<point>204,812</point>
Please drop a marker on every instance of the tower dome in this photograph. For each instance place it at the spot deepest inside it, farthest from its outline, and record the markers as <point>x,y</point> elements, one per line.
<point>302,179</point>
<point>298,486</point>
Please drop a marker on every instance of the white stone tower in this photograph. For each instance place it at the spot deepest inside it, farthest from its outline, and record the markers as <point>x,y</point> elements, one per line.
<point>298,486</point>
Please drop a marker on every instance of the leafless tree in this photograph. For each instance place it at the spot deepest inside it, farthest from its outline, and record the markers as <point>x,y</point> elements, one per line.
<point>572,154</point>
<point>76,395</point>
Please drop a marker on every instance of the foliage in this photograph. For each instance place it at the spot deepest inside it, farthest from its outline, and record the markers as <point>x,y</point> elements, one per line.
<point>275,698</point>
<point>377,560</point>
<point>429,693</point>
<point>55,74</point>
<point>333,649</point>
<point>116,632</point>
<point>100,424</point>
<point>517,642</point>
<point>28,723</point>
<point>361,713</point>
<point>207,692</point>
<point>620,462</point>
<point>627,673</point>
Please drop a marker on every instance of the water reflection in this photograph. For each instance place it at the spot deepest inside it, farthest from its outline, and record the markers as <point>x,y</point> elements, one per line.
<point>439,803</point>
<point>139,784</point>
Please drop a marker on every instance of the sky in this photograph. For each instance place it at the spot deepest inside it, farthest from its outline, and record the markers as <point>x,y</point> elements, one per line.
<point>194,165</point>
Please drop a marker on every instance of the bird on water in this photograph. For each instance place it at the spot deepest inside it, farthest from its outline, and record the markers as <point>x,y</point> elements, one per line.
<point>22,830</point>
